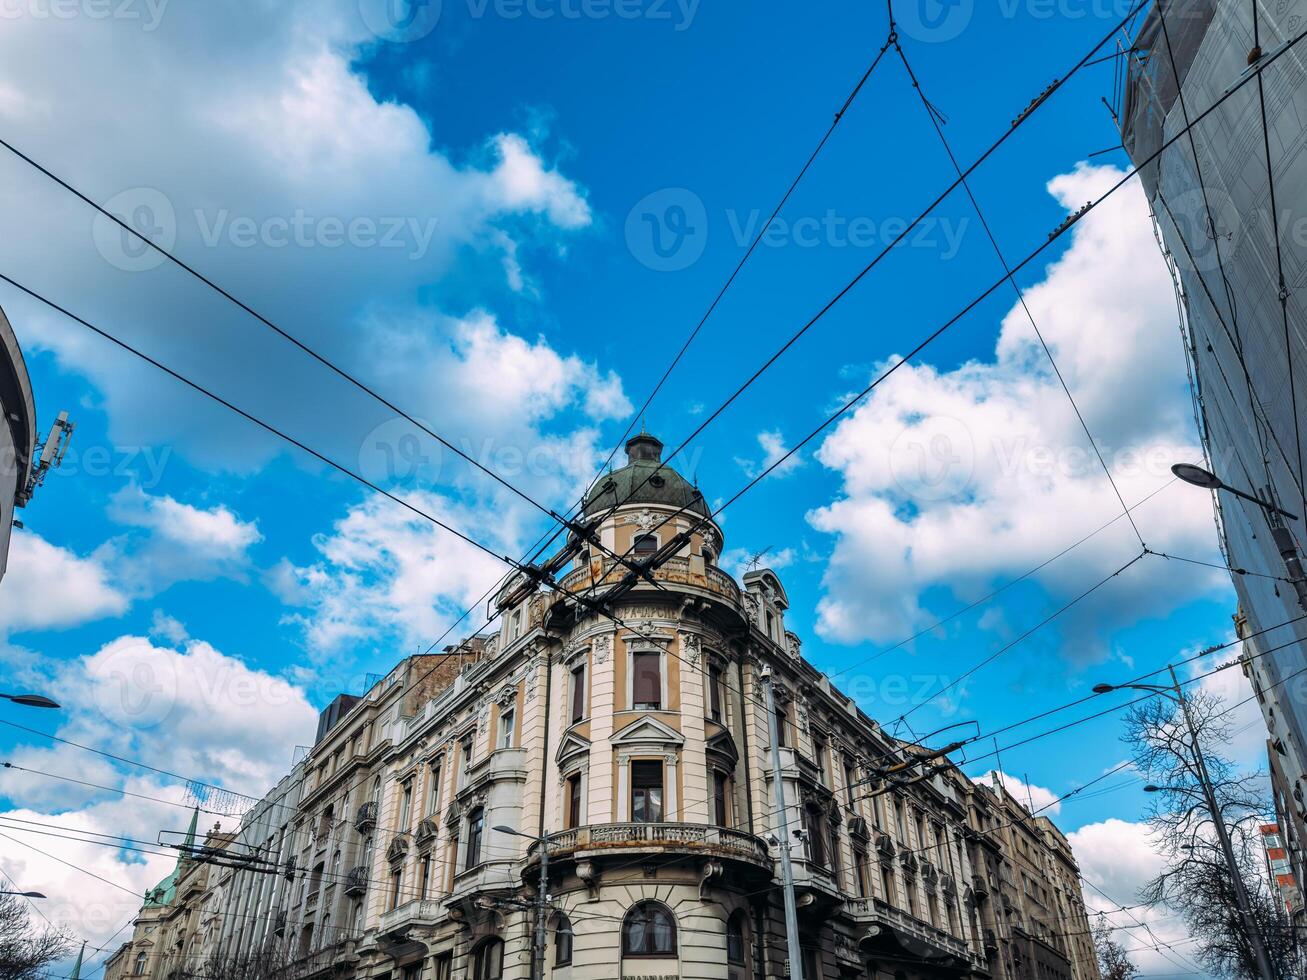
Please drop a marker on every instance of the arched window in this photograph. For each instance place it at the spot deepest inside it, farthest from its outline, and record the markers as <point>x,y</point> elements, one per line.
<point>649,930</point>
<point>488,961</point>
<point>563,937</point>
<point>476,826</point>
<point>735,939</point>
<point>138,968</point>
<point>645,544</point>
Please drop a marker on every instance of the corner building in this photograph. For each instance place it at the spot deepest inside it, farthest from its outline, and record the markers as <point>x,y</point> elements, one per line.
<point>638,757</point>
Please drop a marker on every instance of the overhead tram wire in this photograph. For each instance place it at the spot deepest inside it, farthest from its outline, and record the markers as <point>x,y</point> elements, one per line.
<point>281,332</point>
<point>933,115</point>
<point>548,537</point>
<point>1062,230</point>
<point>948,191</point>
<point>1016,124</point>
<point>1053,237</point>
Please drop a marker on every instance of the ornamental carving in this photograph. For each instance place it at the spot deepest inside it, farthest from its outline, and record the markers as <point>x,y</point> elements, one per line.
<point>692,648</point>
<point>532,676</point>
<point>506,695</point>
<point>603,648</point>
<point>398,848</point>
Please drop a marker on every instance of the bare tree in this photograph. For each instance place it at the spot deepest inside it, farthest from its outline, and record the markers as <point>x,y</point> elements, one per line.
<point>27,952</point>
<point>1196,881</point>
<point>1113,962</point>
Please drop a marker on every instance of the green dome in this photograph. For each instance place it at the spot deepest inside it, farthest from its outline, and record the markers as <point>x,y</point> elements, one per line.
<point>644,480</point>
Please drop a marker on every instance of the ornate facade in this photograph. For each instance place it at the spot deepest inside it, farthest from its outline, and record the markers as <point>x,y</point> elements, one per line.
<point>633,751</point>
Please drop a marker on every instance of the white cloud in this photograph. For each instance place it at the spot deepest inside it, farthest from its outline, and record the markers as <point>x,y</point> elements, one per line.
<point>737,560</point>
<point>216,534</point>
<point>192,710</point>
<point>960,478</point>
<point>49,587</point>
<point>772,443</point>
<point>278,172</point>
<point>388,577</point>
<point>1037,798</point>
<point>1119,857</point>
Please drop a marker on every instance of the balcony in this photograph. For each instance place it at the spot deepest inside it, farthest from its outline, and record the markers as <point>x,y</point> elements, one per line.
<point>889,932</point>
<point>628,838</point>
<point>356,881</point>
<point>419,912</point>
<point>366,818</point>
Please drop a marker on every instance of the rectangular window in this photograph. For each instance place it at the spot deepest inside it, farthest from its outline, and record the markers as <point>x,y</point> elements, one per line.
<point>771,624</point>
<point>780,727</point>
<point>465,752</point>
<point>405,805</point>
<point>715,694</point>
<point>396,886</point>
<point>506,720</point>
<point>860,872</point>
<point>476,826</point>
<point>819,757</point>
<point>425,871</point>
<point>578,693</point>
<point>413,971</point>
<point>646,791</point>
<point>812,825</point>
<point>721,799</point>
<point>574,816</point>
<point>887,885</point>
<point>850,777</point>
<point>445,966</point>
<point>646,681</point>
<point>811,963</point>
<point>433,789</point>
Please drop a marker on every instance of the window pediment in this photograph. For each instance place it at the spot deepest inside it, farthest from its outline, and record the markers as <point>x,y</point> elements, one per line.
<point>573,746</point>
<point>648,731</point>
<point>722,747</point>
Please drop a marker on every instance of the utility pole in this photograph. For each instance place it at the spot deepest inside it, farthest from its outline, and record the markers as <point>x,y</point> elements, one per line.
<point>783,824</point>
<point>542,903</point>
<point>1218,820</point>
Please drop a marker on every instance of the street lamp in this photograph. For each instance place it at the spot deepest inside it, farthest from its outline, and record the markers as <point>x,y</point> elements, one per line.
<point>1284,543</point>
<point>1199,477</point>
<point>542,898</point>
<point>1176,693</point>
<point>30,700</point>
<point>23,894</point>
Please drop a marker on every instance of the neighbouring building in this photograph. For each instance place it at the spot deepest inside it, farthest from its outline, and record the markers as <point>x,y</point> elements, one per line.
<point>635,754</point>
<point>17,436</point>
<point>1230,201</point>
<point>23,461</point>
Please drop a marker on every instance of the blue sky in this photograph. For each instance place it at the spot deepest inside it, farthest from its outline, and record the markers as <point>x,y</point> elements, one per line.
<point>496,182</point>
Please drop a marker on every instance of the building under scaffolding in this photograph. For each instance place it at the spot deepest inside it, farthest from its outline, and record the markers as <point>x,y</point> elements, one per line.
<point>1229,196</point>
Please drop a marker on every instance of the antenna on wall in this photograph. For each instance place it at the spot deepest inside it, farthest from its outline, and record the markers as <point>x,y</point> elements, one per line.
<point>52,454</point>
<point>753,562</point>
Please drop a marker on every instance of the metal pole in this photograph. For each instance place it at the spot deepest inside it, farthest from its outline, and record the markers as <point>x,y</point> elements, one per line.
<point>783,826</point>
<point>542,901</point>
<point>1218,819</point>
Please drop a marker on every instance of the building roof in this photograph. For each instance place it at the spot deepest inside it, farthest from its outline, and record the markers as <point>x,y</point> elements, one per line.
<point>165,892</point>
<point>645,479</point>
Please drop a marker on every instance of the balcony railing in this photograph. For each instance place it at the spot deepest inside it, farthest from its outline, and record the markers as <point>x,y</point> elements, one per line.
<point>356,880</point>
<point>674,570</point>
<point>683,836</point>
<point>422,911</point>
<point>366,818</point>
<point>873,911</point>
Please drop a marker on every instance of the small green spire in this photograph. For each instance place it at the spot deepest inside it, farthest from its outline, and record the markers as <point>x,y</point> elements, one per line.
<point>77,967</point>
